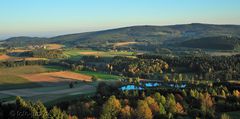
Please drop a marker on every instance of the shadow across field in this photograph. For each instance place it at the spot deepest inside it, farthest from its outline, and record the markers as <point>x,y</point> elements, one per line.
<point>50,93</point>
<point>18,86</point>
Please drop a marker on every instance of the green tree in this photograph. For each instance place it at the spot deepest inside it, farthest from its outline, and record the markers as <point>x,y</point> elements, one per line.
<point>162,110</point>
<point>41,109</point>
<point>94,78</point>
<point>171,104</point>
<point>56,113</point>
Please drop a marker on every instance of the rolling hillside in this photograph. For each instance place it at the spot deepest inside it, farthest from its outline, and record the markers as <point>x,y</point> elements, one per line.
<point>150,34</point>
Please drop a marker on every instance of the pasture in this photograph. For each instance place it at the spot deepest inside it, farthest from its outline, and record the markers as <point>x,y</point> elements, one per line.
<point>100,75</point>
<point>77,53</point>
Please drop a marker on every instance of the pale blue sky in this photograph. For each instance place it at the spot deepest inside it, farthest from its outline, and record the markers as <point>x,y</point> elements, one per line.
<point>54,17</point>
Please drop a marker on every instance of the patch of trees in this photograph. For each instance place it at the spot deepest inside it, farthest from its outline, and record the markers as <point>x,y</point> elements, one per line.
<point>22,109</point>
<point>22,63</point>
<point>109,103</point>
<point>135,67</point>
<point>42,53</point>
<point>210,67</point>
<point>3,51</point>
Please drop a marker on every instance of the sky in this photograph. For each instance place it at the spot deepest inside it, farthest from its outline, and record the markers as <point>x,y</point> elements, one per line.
<point>47,18</point>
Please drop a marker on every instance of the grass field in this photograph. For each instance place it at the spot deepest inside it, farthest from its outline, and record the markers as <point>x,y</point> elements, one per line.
<point>100,75</point>
<point>15,82</point>
<point>10,79</point>
<point>77,54</point>
<point>12,84</point>
<point>23,70</point>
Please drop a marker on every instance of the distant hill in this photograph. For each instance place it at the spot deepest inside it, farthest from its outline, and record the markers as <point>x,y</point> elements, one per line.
<point>149,34</point>
<point>24,41</point>
<point>219,43</point>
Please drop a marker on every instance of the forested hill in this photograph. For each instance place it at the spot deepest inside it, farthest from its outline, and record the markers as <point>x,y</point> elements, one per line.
<point>150,34</point>
<point>219,43</point>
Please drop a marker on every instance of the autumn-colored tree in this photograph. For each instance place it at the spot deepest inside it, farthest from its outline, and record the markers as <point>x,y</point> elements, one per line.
<point>179,108</point>
<point>206,104</point>
<point>111,108</point>
<point>143,111</point>
<point>165,78</point>
<point>153,105</point>
<point>126,112</point>
<point>236,93</point>
<point>225,116</point>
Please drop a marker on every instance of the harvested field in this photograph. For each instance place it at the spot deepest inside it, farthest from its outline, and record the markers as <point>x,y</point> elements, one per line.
<point>53,46</point>
<point>124,43</point>
<point>70,75</point>
<point>19,50</point>
<point>33,58</point>
<point>4,57</point>
<point>91,53</point>
<point>55,77</point>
